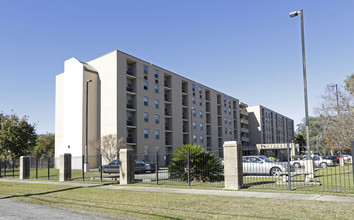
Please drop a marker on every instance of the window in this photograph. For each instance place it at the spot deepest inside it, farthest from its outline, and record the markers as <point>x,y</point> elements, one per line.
<point>229,111</point>
<point>194,125</point>
<point>201,126</point>
<point>146,101</point>
<point>229,100</point>
<point>146,117</point>
<point>224,99</point>
<point>156,88</point>
<point>225,130</point>
<point>157,119</point>
<point>200,90</point>
<point>156,103</point>
<point>156,74</point>
<point>230,131</point>
<point>193,112</point>
<point>225,109</point>
<point>193,100</point>
<point>230,121</point>
<point>145,69</point>
<point>193,87</point>
<point>200,102</point>
<point>225,120</point>
<point>194,138</point>
<point>157,134</point>
<point>201,139</point>
<point>146,133</point>
<point>201,114</point>
<point>145,85</point>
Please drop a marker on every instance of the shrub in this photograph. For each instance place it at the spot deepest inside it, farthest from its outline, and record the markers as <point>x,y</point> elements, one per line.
<point>204,166</point>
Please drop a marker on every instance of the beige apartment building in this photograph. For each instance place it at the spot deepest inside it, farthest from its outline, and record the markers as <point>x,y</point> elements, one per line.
<point>151,107</point>
<point>269,127</point>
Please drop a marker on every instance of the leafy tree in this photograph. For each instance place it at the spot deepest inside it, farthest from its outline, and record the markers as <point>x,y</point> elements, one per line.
<point>17,136</point>
<point>204,166</point>
<point>45,145</point>
<point>109,146</point>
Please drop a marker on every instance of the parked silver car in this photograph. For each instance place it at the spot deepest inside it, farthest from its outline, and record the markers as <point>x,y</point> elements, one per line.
<point>318,161</point>
<point>264,165</point>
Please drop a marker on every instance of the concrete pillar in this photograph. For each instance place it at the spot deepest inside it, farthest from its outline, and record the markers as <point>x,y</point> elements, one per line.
<point>65,167</point>
<point>341,161</point>
<point>309,168</point>
<point>233,171</point>
<point>126,166</point>
<point>25,163</point>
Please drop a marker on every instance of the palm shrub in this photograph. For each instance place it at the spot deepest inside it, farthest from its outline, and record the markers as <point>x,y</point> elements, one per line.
<point>204,166</point>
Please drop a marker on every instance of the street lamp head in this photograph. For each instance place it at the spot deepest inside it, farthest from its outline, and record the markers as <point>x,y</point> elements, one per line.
<point>89,81</point>
<point>192,108</point>
<point>294,13</point>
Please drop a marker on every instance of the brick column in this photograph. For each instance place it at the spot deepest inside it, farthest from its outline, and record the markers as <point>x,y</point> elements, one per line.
<point>233,165</point>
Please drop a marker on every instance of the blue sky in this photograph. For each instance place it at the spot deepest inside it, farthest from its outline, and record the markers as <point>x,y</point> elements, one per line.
<point>248,49</point>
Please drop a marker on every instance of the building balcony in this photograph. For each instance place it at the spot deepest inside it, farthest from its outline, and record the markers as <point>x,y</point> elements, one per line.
<point>245,139</point>
<point>131,141</point>
<point>244,121</point>
<point>243,112</point>
<point>130,89</point>
<point>131,106</point>
<point>245,130</point>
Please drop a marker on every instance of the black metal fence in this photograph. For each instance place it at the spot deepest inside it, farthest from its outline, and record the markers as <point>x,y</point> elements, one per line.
<point>189,169</point>
<point>279,166</point>
<point>268,167</point>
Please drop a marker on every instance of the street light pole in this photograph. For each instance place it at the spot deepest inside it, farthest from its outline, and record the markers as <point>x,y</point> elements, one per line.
<point>294,14</point>
<point>87,167</point>
<point>192,125</point>
<point>336,85</point>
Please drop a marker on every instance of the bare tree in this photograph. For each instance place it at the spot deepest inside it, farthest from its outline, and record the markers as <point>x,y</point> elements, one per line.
<point>337,118</point>
<point>109,146</point>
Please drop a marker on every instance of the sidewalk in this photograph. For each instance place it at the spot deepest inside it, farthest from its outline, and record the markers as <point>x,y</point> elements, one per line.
<point>292,196</point>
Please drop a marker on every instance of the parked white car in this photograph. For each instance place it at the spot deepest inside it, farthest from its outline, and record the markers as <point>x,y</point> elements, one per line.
<point>264,165</point>
<point>347,158</point>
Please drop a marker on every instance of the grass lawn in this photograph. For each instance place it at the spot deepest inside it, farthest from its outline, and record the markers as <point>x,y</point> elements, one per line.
<point>151,205</point>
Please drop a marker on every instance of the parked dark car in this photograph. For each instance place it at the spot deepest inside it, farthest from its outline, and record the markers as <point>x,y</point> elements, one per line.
<point>113,167</point>
<point>334,158</point>
<point>149,166</point>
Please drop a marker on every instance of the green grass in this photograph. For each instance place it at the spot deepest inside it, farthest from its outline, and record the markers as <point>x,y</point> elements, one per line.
<point>152,205</point>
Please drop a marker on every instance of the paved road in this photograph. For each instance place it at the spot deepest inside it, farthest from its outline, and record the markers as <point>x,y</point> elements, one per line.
<point>11,209</point>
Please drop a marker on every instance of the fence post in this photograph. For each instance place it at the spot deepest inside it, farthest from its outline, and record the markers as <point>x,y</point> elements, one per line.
<point>157,167</point>
<point>5,168</point>
<point>36,167</point>
<point>48,168</point>
<point>13,168</point>
<point>0,167</point>
<point>83,168</point>
<point>101,167</point>
<point>189,180</point>
<point>289,173</point>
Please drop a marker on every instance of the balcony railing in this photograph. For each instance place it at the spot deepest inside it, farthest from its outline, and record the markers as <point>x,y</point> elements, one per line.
<point>130,89</point>
<point>130,105</point>
<point>130,123</point>
<point>130,140</point>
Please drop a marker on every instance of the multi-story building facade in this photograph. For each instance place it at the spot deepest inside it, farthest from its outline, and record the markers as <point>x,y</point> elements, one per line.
<point>268,127</point>
<point>153,108</point>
